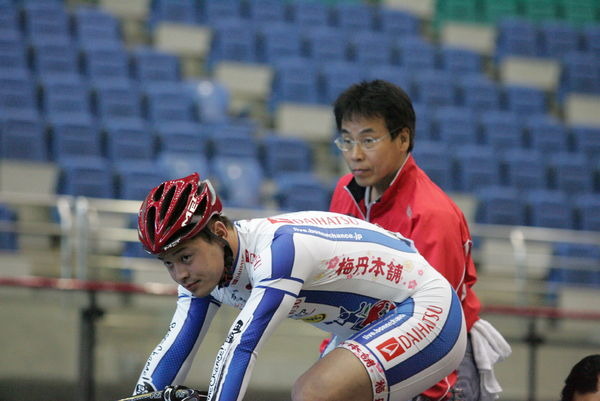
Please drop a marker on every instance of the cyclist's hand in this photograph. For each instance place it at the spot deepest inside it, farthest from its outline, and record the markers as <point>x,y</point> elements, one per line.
<point>170,393</point>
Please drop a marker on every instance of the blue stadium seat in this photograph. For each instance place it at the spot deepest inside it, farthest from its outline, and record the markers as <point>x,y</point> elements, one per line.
<point>239,127</point>
<point>150,65</point>
<point>502,130</point>
<point>231,144</point>
<point>281,154</point>
<point>119,102</point>
<point>546,134</point>
<point>590,38</point>
<point>571,173</point>
<point>233,40</point>
<point>434,88</point>
<point>369,47</point>
<point>550,209</point>
<point>56,58</point>
<point>93,25</point>
<point>105,63</point>
<point>212,100</point>
<point>17,92</point>
<point>238,180</point>
<point>392,73</point>
<point>458,60</point>
<point>8,239</point>
<point>337,76</point>
<point>325,43</point>
<point>301,191</point>
<point>587,207</point>
<point>397,22</point>
<point>181,137</point>
<point>455,125</point>
<point>179,11</point>
<point>66,101</point>
<point>13,51</point>
<point>525,100</point>
<point>500,205</point>
<point>424,125</point>
<point>579,73</point>
<point>212,11</point>
<point>278,41</point>
<point>181,164</point>
<point>23,137</point>
<point>86,176</point>
<point>44,19</point>
<point>295,80</point>
<point>523,169</point>
<point>353,17</point>
<point>9,19</point>
<point>309,14</point>
<point>415,53</point>
<point>574,264</point>
<point>125,141</point>
<point>516,37</point>
<point>74,138</point>
<point>432,157</point>
<point>266,11</point>
<point>169,102</point>
<point>478,92</point>
<point>557,38</point>
<point>587,140</point>
<point>134,178</point>
<point>476,166</point>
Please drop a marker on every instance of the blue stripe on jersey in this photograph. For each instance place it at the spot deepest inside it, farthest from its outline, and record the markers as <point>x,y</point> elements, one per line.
<point>173,359</point>
<point>350,234</point>
<point>437,349</point>
<point>261,317</point>
<point>282,255</point>
<point>348,300</point>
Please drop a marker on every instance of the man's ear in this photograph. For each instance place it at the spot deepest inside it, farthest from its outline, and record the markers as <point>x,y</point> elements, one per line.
<point>404,136</point>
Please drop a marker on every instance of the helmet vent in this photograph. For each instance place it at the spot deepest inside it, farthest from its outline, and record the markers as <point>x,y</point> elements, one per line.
<point>158,193</point>
<point>150,223</point>
<point>180,206</point>
<point>167,200</point>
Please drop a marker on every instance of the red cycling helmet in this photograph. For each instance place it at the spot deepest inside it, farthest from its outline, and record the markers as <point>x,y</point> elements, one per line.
<point>176,210</point>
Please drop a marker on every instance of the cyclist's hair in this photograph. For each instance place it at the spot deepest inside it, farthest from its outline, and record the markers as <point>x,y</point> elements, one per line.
<point>207,234</point>
<point>373,99</point>
<point>583,378</point>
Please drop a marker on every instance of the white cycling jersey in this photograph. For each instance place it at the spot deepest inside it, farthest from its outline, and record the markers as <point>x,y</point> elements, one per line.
<point>368,286</point>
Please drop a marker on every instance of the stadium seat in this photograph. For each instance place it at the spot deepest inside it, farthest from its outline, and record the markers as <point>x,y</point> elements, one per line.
<point>57,58</point>
<point>457,60</point>
<point>392,73</point>
<point>134,178</point>
<point>475,166</point>
<point>574,264</point>
<point>180,11</point>
<point>557,39</point>
<point>455,125</point>
<point>74,138</point>
<point>295,80</point>
<point>424,125</point>
<point>309,14</point>
<point>353,17</point>
<point>180,137</point>
<point>502,130</point>
<point>301,191</point>
<point>232,41</point>
<point>239,127</point>
<point>266,11</point>
<point>433,158</point>
<point>216,10</point>
<point>118,102</point>
<point>540,10</point>
<point>23,137</point>
<point>66,101</point>
<point>45,19</point>
<point>129,141</point>
<point>495,10</point>
<point>396,22</point>
<point>17,92</point>
<point>282,154</point>
<point>93,25</point>
<point>212,100</point>
<point>238,180</point>
<point>415,53</point>
<point>478,92</point>
<point>587,141</point>
<point>523,169</point>
<point>434,88</point>
<point>108,63</point>
<point>325,43</point>
<point>369,47</point>
<point>587,208</point>
<point>550,209</point>
<point>337,76</point>
<point>570,172</point>
<point>590,38</point>
<point>580,73</point>
<point>545,134</point>
<point>169,102</point>
<point>278,41</point>
<point>13,51</point>
<point>86,176</point>
<point>500,205</point>
<point>181,164</point>
<point>230,144</point>
<point>151,65</point>
<point>8,239</point>
<point>524,100</point>
<point>516,37</point>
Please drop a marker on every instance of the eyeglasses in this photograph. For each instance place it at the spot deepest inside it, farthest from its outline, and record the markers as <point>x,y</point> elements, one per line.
<point>346,144</point>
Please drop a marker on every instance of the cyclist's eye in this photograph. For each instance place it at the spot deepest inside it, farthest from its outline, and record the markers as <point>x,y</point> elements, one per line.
<point>186,258</point>
<point>168,265</point>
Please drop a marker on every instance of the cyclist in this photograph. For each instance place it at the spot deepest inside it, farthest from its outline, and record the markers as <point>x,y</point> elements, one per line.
<point>401,321</point>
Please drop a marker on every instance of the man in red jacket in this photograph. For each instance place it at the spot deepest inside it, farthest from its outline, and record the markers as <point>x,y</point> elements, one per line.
<point>376,122</point>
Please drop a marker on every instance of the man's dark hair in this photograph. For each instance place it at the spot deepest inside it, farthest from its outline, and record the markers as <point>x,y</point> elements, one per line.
<point>583,378</point>
<point>373,99</point>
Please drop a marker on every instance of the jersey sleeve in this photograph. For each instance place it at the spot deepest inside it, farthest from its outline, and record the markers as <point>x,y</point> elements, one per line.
<point>170,362</point>
<point>272,297</point>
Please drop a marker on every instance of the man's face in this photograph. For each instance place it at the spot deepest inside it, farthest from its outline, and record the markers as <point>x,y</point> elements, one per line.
<point>375,167</point>
<point>195,264</point>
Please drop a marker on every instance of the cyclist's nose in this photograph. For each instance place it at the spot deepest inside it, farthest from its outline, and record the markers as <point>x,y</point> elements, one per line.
<point>181,272</point>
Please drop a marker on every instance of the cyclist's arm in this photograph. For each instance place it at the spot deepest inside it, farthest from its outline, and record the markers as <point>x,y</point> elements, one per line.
<point>170,361</point>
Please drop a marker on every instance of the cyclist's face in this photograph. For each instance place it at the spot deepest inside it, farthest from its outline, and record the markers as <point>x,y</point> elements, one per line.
<point>195,264</point>
<point>375,167</point>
